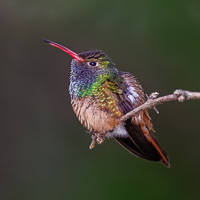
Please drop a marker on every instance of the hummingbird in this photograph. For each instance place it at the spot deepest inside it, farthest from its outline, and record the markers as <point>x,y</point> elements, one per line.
<point>101,95</point>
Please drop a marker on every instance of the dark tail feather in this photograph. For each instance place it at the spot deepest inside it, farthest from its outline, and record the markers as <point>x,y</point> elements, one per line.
<point>128,144</point>
<point>142,146</point>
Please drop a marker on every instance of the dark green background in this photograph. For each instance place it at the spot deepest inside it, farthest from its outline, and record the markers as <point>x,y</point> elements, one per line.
<point>43,148</point>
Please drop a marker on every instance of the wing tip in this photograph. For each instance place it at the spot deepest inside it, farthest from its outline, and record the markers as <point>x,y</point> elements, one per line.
<point>166,162</point>
<point>163,156</point>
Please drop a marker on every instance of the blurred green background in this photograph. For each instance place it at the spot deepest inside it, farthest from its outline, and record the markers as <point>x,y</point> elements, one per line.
<point>43,148</point>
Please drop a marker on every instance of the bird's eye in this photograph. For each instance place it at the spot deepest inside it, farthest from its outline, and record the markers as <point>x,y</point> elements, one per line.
<point>93,64</point>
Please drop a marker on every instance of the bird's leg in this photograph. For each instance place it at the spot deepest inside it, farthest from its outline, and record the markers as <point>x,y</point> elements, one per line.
<point>93,142</point>
<point>96,137</point>
<point>100,139</point>
<point>153,96</point>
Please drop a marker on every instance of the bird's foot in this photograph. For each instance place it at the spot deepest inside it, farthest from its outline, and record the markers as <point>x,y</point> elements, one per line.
<point>96,138</point>
<point>93,142</point>
<point>153,96</point>
<point>100,139</point>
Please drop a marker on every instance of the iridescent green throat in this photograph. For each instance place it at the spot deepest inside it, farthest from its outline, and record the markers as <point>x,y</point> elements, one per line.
<point>94,88</point>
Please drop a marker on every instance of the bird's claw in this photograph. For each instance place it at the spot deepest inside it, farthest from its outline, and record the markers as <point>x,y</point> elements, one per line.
<point>153,96</point>
<point>96,139</point>
<point>100,140</point>
<point>93,142</point>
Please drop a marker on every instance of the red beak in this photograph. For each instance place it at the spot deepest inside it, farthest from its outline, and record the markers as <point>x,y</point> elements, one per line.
<point>68,51</point>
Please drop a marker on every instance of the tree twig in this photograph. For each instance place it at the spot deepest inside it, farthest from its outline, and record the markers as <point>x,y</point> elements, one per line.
<point>178,95</point>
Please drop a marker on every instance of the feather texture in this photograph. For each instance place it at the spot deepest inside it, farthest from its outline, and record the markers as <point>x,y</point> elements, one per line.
<point>140,140</point>
<point>101,95</point>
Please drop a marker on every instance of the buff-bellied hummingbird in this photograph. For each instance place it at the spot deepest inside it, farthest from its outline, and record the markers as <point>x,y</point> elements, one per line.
<point>101,95</point>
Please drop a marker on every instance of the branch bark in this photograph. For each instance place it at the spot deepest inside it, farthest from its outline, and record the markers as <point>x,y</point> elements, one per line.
<point>153,100</point>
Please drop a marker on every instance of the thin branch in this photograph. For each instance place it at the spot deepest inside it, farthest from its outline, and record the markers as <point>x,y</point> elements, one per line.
<point>178,95</point>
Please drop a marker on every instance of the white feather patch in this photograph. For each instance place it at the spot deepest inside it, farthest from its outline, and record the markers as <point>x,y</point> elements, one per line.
<point>131,98</point>
<point>132,94</point>
<point>119,131</point>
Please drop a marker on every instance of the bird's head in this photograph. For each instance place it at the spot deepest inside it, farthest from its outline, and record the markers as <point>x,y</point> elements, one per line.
<point>95,61</point>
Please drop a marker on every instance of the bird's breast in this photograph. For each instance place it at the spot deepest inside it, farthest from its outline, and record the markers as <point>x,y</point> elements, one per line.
<point>94,115</point>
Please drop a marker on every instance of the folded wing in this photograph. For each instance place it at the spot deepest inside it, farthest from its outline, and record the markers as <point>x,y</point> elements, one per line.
<point>139,140</point>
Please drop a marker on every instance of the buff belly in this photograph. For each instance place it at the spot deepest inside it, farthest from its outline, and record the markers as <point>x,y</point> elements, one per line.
<point>95,117</point>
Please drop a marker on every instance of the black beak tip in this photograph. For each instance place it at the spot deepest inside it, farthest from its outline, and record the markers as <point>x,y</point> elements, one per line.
<point>47,41</point>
